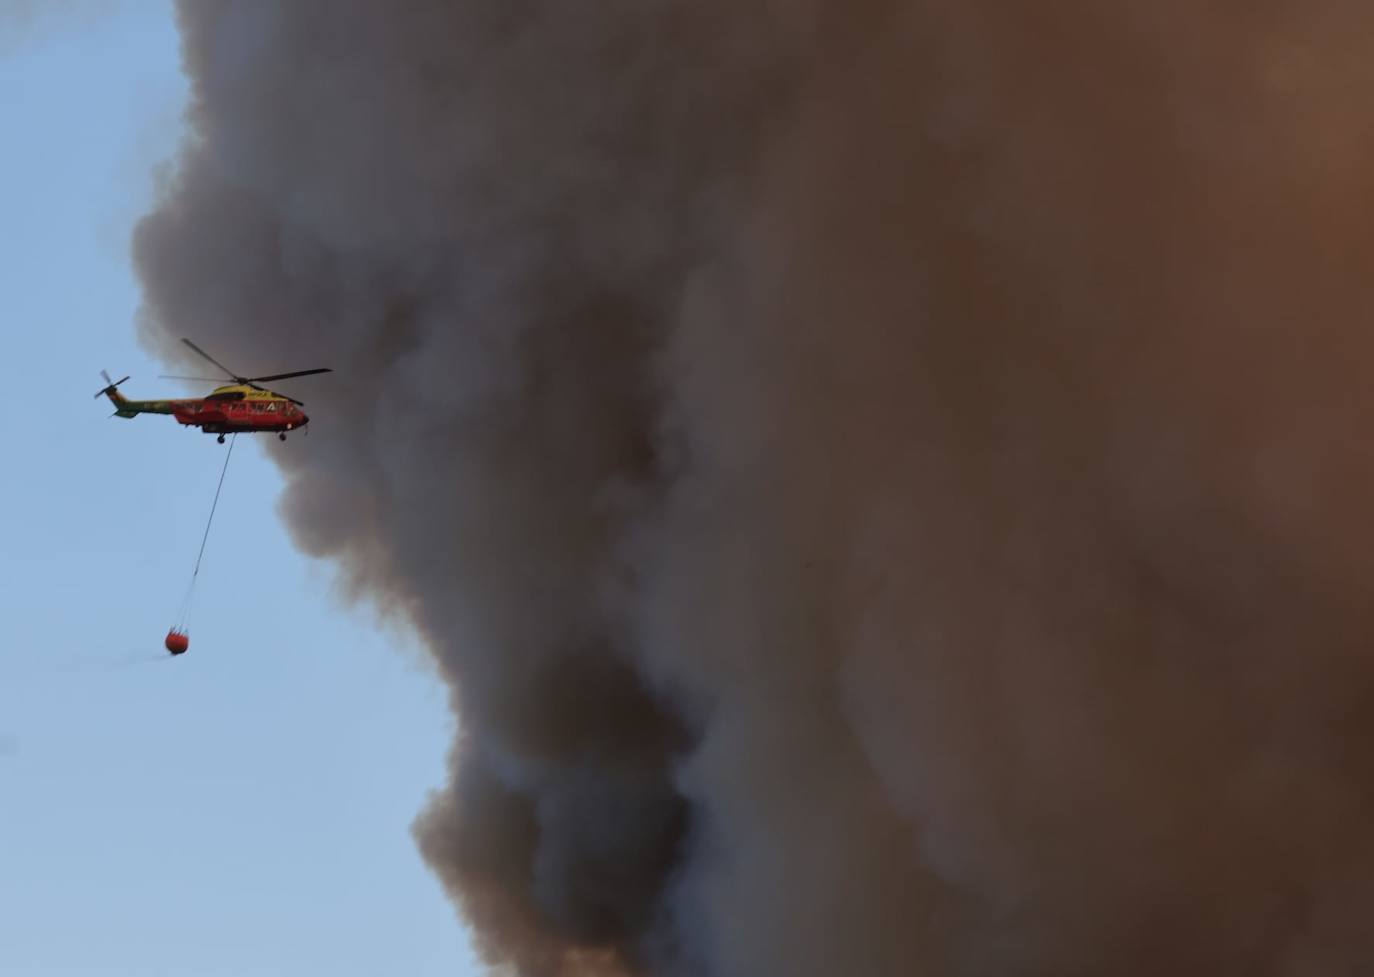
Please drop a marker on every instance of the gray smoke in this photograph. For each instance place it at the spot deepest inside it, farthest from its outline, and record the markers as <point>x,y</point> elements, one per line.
<point>886,483</point>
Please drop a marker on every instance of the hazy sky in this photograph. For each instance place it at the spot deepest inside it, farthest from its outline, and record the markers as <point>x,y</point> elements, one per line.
<point>245,809</point>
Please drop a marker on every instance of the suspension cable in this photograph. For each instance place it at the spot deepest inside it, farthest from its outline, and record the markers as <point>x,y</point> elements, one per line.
<point>185,611</point>
<point>213,505</point>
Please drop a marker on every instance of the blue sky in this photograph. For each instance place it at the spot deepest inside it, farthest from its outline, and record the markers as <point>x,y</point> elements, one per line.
<point>241,810</point>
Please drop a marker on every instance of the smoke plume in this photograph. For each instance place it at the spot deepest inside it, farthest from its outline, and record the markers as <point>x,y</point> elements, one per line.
<point>887,484</point>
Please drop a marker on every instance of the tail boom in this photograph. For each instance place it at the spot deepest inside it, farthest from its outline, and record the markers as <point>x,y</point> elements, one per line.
<point>132,408</point>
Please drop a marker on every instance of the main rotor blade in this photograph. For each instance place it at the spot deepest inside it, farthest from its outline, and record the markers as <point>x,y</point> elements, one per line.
<point>164,376</point>
<point>288,376</point>
<point>228,372</point>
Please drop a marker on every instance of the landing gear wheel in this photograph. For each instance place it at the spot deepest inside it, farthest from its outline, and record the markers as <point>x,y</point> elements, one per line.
<point>281,437</point>
<point>220,439</point>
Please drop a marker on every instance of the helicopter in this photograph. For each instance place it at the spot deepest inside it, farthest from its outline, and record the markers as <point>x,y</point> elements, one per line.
<point>238,407</point>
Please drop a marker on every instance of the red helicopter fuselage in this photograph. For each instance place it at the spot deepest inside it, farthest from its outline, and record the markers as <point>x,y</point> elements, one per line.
<point>230,414</point>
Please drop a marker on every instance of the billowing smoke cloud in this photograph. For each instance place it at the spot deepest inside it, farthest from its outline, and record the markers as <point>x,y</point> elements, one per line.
<point>887,483</point>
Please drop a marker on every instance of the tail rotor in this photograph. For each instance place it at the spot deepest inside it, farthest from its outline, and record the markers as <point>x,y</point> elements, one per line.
<point>109,387</point>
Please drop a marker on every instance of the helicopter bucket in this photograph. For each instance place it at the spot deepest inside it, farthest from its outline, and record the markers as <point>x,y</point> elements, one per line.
<point>177,641</point>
